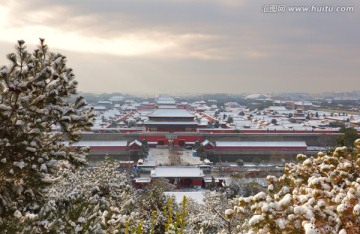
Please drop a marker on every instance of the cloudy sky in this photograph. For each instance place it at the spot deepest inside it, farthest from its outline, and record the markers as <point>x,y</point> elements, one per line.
<point>192,46</point>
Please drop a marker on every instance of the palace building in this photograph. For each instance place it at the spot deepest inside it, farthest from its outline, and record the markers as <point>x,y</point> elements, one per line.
<point>171,120</point>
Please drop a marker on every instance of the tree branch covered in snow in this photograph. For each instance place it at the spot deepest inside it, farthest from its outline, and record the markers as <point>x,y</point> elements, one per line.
<point>90,200</point>
<point>318,195</point>
<point>36,118</point>
<point>209,217</point>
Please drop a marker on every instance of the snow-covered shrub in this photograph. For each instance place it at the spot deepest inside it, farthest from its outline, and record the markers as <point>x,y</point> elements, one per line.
<point>243,186</point>
<point>90,200</point>
<point>36,117</point>
<point>154,203</point>
<point>208,217</point>
<point>318,195</point>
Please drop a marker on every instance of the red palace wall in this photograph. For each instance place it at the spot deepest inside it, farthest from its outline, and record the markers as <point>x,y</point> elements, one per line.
<point>177,140</point>
<point>197,182</point>
<point>110,148</point>
<point>170,129</point>
<point>263,131</point>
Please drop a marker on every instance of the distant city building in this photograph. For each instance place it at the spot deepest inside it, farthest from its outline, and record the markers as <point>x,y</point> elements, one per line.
<point>258,96</point>
<point>116,99</point>
<point>106,104</point>
<point>165,100</point>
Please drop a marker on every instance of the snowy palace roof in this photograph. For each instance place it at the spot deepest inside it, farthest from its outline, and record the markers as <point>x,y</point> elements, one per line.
<point>135,142</point>
<point>180,172</point>
<point>165,99</point>
<point>99,143</point>
<point>171,123</point>
<point>260,144</point>
<point>171,113</point>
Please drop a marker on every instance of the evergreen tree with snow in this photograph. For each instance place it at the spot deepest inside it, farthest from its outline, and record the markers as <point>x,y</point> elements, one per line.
<point>348,136</point>
<point>144,150</point>
<point>36,118</point>
<point>200,150</point>
<point>90,200</point>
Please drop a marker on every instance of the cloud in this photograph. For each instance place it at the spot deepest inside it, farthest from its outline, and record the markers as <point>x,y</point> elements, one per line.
<point>129,43</point>
<point>255,54</point>
<point>229,3</point>
<point>188,46</point>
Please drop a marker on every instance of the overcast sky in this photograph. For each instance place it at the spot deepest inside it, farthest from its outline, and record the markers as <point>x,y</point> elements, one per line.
<point>192,46</point>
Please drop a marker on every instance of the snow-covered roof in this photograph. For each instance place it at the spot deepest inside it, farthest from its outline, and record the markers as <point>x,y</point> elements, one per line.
<point>130,108</point>
<point>171,113</point>
<point>99,107</point>
<point>184,172</point>
<point>165,102</point>
<point>165,99</point>
<point>260,144</point>
<point>116,98</point>
<point>104,102</point>
<point>135,142</point>
<point>142,180</point>
<point>206,142</point>
<point>212,113</point>
<point>111,113</point>
<point>167,107</point>
<point>257,96</point>
<point>171,123</point>
<point>277,108</point>
<point>99,143</point>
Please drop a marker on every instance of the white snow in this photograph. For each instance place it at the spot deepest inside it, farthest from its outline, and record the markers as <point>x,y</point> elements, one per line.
<point>357,209</point>
<point>17,214</point>
<point>256,219</point>
<point>310,228</point>
<point>30,149</point>
<point>20,164</point>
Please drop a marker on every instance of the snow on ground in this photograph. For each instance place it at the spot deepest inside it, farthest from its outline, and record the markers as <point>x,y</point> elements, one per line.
<point>197,196</point>
<point>168,156</point>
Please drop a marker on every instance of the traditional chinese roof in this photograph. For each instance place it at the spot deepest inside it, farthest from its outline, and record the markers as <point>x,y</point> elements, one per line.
<point>207,142</point>
<point>99,143</point>
<point>135,142</point>
<point>171,123</point>
<point>171,113</point>
<point>261,144</point>
<point>179,172</point>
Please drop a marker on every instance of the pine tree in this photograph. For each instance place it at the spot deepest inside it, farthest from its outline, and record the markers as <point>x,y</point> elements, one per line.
<point>200,150</point>
<point>91,200</point>
<point>36,118</point>
<point>144,150</point>
<point>348,136</point>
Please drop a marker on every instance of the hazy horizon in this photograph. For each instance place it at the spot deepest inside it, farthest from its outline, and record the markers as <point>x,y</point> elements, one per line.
<point>194,93</point>
<point>192,47</point>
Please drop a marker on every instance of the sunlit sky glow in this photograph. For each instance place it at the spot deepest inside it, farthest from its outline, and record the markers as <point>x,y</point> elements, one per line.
<point>184,46</point>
